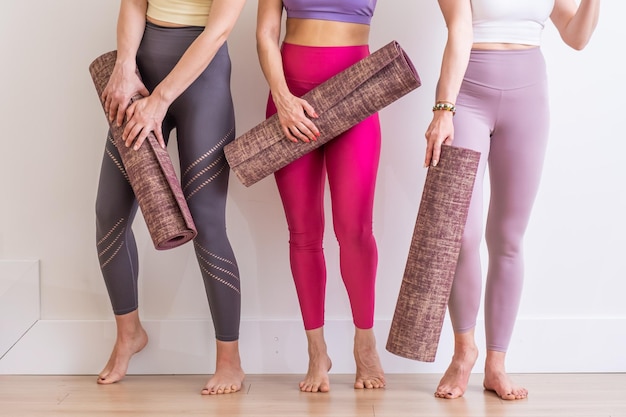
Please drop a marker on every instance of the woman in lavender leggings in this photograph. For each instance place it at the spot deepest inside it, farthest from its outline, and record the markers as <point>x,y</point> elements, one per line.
<point>322,39</point>
<point>492,97</point>
<point>181,54</point>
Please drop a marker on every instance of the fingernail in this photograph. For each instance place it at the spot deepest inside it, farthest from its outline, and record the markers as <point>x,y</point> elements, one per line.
<point>435,163</point>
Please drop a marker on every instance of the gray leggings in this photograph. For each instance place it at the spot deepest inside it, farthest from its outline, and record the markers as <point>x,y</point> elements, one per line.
<point>502,111</point>
<point>204,120</point>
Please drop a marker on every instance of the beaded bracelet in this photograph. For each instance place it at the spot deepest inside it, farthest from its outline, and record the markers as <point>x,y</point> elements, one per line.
<point>445,106</point>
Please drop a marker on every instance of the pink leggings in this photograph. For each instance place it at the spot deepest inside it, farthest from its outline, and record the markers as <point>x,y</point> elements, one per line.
<point>502,111</point>
<point>351,162</point>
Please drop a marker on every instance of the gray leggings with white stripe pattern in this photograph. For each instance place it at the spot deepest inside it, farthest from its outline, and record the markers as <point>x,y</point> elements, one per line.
<point>204,120</point>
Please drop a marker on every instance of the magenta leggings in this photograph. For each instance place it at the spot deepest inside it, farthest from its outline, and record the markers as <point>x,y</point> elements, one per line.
<point>502,111</point>
<point>350,161</point>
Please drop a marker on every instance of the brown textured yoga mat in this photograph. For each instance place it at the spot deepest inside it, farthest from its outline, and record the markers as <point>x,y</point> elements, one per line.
<point>341,102</point>
<point>151,175</point>
<point>431,264</point>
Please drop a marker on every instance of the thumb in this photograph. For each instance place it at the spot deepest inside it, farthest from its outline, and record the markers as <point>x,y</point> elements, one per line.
<point>144,91</point>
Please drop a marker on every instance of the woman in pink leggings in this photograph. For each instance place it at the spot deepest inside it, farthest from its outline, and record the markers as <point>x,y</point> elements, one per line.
<point>492,97</point>
<point>323,38</point>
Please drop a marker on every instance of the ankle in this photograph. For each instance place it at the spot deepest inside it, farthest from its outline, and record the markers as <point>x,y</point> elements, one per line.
<point>228,353</point>
<point>316,344</point>
<point>495,362</point>
<point>130,334</point>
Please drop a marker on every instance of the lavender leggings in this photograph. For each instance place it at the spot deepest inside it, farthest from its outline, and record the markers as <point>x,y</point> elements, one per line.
<point>351,163</point>
<point>502,111</point>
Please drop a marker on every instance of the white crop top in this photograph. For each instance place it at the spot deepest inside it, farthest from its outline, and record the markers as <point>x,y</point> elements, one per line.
<point>182,12</point>
<point>510,21</point>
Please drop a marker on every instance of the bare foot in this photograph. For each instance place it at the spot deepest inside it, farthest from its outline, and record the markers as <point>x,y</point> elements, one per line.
<point>228,377</point>
<point>498,381</point>
<point>369,371</point>
<point>131,338</point>
<point>316,379</point>
<point>454,382</point>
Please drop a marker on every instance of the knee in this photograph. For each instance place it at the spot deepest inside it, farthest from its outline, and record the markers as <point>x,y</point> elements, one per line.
<point>504,244</point>
<point>306,240</point>
<point>353,234</point>
<point>108,217</point>
<point>471,239</point>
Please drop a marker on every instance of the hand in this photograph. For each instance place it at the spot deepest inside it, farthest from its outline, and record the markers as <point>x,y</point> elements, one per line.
<point>440,131</point>
<point>292,113</point>
<point>122,86</point>
<point>144,116</point>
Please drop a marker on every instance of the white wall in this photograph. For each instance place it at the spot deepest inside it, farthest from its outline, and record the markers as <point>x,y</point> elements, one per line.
<point>572,316</point>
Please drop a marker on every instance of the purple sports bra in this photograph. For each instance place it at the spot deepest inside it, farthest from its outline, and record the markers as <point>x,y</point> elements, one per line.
<point>350,11</point>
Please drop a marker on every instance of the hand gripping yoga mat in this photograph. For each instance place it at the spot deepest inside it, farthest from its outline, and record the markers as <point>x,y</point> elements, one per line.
<point>431,264</point>
<point>151,175</point>
<point>341,102</point>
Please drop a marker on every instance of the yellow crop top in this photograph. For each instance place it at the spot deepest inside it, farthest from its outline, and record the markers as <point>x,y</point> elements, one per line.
<point>182,12</point>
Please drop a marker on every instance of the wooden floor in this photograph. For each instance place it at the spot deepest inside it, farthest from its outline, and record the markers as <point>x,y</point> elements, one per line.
<point>551,395</point>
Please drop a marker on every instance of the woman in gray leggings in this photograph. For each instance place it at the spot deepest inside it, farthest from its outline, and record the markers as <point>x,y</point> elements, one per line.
<point>185,77</point>
<point>492,97</point>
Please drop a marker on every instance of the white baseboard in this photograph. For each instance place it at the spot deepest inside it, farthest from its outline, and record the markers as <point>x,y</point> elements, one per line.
<point>279,346</point>
<point>19,301</point>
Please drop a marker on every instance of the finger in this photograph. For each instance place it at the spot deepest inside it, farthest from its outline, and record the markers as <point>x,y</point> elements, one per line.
<point>309,109</point>
<point>119,117</point>
<point>111,111</point>
<point>295,132</point>
<point>288,134</point>
<point>130,134</point>
<point>107,106</point>
<point>130,111</point>
<point>312,129</point>
<point>429,153</point>
<point>144,91</point>
<point>436,153</point>
<point>139,141</point>
<point>306,132</point>
<point>159,136</point>
<point>301,133</point>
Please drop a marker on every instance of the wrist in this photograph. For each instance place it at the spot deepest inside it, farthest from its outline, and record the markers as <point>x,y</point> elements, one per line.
<point>161,95</point>
<point>444,106</point>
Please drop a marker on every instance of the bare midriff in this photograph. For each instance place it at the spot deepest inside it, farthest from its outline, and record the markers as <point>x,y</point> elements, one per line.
<point>163,23</point>
<point>312,32</point>
<point>501,46</point>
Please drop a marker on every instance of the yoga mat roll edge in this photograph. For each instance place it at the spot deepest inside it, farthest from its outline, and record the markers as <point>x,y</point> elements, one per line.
<point>151,175</point>
<point>433,254</point>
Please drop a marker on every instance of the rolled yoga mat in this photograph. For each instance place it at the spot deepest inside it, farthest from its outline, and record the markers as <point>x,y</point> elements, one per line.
<point>151,175</point>
<point>431,264</point>
<point>341,102</point>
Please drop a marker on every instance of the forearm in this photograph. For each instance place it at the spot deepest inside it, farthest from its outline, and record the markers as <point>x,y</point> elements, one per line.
<point>458,17</point>
<point>453,65</point>
<point>130,27</point>
<point>268,50</point>
<point>576,25</point>
<point>271,63</point>
<point>224,14</point>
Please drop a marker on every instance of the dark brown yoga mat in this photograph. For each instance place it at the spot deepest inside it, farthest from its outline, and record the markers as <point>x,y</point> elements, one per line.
<point>151,175</point>
<point>341,102</point>
<point>431,264</point>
